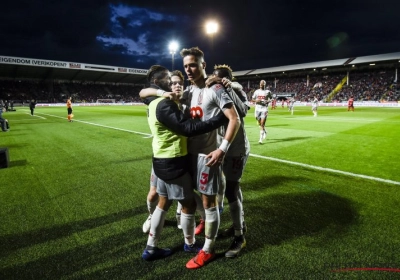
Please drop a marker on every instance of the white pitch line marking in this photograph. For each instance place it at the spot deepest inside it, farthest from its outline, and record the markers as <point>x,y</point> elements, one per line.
<point>328,169</point>
<point>36,116</point>
<point>147,135</point>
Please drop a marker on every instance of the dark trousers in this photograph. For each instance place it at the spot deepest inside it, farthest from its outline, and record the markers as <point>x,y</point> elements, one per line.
<point>3,124</point>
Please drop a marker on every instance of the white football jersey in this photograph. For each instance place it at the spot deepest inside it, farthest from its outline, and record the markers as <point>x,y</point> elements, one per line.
<point>315,103</point>
<point>204,104</point>
<point>263,96</point>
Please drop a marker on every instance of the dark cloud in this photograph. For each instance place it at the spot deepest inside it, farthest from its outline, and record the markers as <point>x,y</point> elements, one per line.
<point>253,34</point>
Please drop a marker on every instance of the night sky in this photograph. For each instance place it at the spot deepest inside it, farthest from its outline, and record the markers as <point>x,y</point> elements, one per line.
<point>252,34</point>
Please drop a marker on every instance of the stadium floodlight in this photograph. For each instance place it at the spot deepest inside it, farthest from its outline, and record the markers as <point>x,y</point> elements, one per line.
<point>173,47</point>
<point>212,27</point>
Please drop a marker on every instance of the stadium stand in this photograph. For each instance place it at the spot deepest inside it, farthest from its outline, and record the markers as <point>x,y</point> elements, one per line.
<point>367,85</point>
<point>23,79</point>
<point>371,78</point>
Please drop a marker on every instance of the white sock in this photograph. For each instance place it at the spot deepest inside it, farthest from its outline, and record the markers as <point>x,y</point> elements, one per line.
<point>157,224</point>
<point>179,208</point>
<point>188,222</point>
<point>211,228</point>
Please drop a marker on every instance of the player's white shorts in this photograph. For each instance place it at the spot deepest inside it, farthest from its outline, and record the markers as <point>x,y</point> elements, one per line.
<point>206,179</point>
<point>176,189</point>
<point>233,167</point>
<point>261,114</point>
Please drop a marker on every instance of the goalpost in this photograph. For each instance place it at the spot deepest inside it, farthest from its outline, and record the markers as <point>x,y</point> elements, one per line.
<point>105,101</point>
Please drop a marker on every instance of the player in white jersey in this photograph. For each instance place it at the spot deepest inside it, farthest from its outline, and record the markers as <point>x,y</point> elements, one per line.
<point>262,97</point>
<point>291,105</point>
<point>314,106</point>
<point>207,150</point>
<point>234,162</point>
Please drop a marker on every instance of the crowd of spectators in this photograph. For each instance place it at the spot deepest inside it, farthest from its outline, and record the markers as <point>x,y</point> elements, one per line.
<point>371,86</point>
<point>91,92</point>
<point>378,85</point>
<point>22,91</point>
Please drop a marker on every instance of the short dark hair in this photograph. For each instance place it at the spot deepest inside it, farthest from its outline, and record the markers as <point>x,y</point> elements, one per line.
<point>156,72</point>
<point>224,70</point>
<point>195,51</point>
<point>178,74</point>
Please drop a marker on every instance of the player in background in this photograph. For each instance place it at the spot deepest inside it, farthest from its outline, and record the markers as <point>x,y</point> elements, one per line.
<point>3,122</point>
<point>262,97</point>
<point>291,105</point>
<point>350,104</point>
<point>32,105</point>
<point>208,150</point>
<point>69,109</point>
<point>273,103</point>
<point>314,106</point>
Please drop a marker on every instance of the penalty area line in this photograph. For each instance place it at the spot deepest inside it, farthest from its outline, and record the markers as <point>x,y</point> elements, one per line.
<point>328,170</point>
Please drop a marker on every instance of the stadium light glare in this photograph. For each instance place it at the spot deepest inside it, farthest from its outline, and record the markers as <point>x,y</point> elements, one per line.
<point>212,27</point>
<point>173,47</point>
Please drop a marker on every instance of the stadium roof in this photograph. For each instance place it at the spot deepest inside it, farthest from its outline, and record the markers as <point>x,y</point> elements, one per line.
<point>392,58</point>
<point>30,68</point>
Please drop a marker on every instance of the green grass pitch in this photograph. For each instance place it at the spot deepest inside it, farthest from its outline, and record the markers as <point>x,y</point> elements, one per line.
<point>321,197</point>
